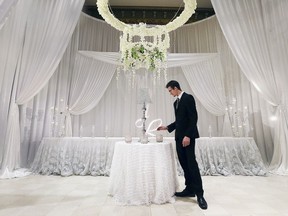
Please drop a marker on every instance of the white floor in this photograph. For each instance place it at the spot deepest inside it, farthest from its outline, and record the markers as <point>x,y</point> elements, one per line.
<point>87,196</point>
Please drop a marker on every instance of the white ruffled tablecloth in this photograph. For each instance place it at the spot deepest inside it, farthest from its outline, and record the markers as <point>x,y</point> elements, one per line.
<point>93,156</point>
<point>143,173</point>
<point>229,156</point>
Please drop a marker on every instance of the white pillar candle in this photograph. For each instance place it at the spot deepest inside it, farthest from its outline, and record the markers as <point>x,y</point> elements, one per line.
<point>81,131</point>
<point>93,131</point>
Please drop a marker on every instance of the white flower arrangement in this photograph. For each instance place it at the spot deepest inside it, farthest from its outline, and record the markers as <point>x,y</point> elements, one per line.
<point>151,54</point>
<point>142,53</point>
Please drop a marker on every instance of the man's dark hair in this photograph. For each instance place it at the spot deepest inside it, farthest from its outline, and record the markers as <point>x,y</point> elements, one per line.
<point>173,84</point>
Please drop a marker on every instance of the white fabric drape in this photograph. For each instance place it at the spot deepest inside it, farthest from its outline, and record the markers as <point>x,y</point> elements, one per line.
<point>5,10</point>
<point>206,80</point>
<point>47,32</point>
<point>173,59</point>
<point>89,82</point>
<point>11,38</point>
<point>37,115</point>
<point>203,72</point>
<point>97,35</point>
<point>256,31</point>
<point>118,109</point>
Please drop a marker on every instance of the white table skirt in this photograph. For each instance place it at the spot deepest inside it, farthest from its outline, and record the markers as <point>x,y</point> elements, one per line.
<point>93,156</point>
<point>142,174</point>
<point>74,156</point>
<point>229,156</point>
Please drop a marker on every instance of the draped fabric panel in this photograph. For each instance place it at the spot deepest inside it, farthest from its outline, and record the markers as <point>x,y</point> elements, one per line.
<point>45,44</point>
<point>241,96</point>
<point>89,82</point>
<point>203,72</point>
<point>119,109</point>
<point>6,7</point>
<point>206,81</point>
<point>204,77</point>
<point>11,40</point>
<point>45,41</point>
<point>98,42</point>
<point>173,59</point>
<point>97,35</point>
<point>197,38</point>
<point>251,30</point>
<point>247,38</point>
<point>37,116</point>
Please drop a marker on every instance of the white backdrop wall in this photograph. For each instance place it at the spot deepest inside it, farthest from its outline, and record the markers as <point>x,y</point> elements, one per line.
<point>203,37</point>
<point>122,100</point>
<point>117,111</point>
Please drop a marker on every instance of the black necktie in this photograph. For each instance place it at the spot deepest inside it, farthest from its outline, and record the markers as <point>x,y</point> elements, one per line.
<point>177,102</point>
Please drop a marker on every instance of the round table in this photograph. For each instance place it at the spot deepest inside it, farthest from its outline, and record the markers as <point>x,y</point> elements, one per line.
<point>143,173</point>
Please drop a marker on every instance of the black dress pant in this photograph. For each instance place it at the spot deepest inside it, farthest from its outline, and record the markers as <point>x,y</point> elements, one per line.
<point>187,159</point>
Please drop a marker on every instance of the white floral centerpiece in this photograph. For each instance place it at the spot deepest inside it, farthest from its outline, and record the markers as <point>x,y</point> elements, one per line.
<point>143,53</point>
<point>141,45</point>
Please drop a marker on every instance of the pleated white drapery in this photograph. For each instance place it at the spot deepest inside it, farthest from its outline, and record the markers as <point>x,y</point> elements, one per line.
<point>90,80</point>
<point>256,31</point>
<point>44,43</point>
<point>206,80</point>
<point>173,59</point>
<point>5,10</point>
<point>14,26</point>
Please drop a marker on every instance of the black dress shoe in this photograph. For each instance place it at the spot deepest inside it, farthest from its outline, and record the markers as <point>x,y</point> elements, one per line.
<point>202,203</point>
<point>185,193</point>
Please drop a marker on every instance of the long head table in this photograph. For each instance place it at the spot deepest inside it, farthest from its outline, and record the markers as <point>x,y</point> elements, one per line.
<point>93,156</point>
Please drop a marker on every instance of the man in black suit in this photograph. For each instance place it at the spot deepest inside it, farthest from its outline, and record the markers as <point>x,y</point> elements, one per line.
<point>186,131</point>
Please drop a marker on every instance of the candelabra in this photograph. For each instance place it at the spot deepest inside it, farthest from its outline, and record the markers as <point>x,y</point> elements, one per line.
<point>239,119</point>
<point>144,137</point>
<point>58,117</point>
<point>143,98</point>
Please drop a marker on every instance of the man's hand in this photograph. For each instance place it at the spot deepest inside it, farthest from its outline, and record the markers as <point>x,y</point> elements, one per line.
<point>162,128</point>
<point>186,141</point>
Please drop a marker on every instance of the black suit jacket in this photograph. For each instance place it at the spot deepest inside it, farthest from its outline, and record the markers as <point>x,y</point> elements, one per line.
<point>185,118</point>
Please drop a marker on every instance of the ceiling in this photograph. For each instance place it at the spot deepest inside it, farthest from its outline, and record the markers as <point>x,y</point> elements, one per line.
<point>151,3</point>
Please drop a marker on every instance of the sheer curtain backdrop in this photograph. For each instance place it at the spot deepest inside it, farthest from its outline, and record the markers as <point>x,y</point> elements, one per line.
<point>257,33</point>
<point>117,110</point>
<point>203,72</point>
<point>173,59</point>
<point>11,40</point>
<point>206,80</point>
<point>90,80</point>
<point>46,38</point>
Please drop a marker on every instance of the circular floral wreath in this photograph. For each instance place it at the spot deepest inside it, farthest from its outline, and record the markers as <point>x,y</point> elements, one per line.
<point>150,55</point>
<point>189,9</point>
